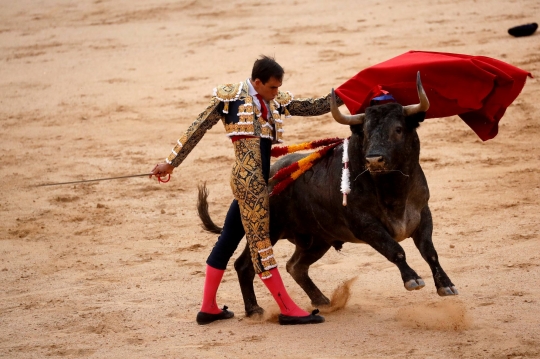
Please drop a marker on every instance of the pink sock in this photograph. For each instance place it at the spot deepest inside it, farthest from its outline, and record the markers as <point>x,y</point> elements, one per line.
<point>211,285</point>
<point>286,304</point>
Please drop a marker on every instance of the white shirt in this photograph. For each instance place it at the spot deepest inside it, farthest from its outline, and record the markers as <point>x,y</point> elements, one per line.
<point>253,93</point>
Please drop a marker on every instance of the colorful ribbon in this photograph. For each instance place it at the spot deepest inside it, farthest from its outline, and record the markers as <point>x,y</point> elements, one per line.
<point>287,175</point>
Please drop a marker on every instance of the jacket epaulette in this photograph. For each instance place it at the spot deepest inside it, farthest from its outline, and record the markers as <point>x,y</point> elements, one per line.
<point>228,93</point>
<point>283,99</point>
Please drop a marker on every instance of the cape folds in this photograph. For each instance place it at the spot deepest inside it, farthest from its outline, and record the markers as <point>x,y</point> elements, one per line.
<point>477,88</point>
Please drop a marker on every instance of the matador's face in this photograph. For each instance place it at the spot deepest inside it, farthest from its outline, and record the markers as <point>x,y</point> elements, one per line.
<point>268,90</point>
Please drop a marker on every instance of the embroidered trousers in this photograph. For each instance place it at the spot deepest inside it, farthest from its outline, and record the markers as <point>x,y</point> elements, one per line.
<point>250,190</point>
<point>249,212</point>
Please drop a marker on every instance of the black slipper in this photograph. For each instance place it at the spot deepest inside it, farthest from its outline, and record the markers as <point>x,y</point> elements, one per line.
<point>523,30</point>
<point>313,318</point>
<point>207,318</point>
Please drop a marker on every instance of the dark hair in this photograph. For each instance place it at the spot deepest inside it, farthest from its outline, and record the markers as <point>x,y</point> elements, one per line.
<point>267,67</point>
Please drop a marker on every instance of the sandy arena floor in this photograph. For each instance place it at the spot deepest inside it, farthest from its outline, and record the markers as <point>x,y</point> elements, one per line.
<point>115,269</point>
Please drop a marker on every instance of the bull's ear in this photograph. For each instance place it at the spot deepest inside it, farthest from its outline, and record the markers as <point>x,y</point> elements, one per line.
<point>413,121</point>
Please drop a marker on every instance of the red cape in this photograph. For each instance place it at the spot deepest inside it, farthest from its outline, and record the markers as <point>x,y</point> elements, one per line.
<point>477,88</point>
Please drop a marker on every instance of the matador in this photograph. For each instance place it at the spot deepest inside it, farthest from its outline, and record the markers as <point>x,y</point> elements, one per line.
<point>252,112</point>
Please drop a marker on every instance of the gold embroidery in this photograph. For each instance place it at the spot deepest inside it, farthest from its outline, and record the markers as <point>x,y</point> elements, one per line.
<point>284,98</point>
<point>276,123</point>
<point>248,120</point>
<point>249,189</point>
<point>245,112</point>
<point>183,139</point>
<point>208,118</point>
<point>228,92</point>
<point>311,106</point>
<point>234,129</point>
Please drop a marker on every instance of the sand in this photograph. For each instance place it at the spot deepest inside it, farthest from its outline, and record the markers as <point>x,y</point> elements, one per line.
<point>115,269</point>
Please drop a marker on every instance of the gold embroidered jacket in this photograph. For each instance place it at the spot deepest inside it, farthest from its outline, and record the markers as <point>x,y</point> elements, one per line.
<point>233,105</point>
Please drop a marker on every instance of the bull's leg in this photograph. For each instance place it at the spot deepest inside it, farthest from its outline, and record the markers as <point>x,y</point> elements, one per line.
<point>423,241</point>
<point>378,238</point>
<point>246,274</point>
<point>298,267</point>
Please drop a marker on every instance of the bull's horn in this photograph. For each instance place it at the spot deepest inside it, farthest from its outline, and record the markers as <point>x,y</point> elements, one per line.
<point>424,102</point>
<point>341,118</point>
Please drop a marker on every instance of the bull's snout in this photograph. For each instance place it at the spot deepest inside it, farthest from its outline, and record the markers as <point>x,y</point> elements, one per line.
<point>375,162</point>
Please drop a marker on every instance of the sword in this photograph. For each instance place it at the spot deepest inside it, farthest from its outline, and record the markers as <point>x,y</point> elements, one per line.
<point>103,179</point>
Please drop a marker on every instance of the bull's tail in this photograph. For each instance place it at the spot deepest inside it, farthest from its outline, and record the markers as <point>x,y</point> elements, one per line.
<point>202,209</point>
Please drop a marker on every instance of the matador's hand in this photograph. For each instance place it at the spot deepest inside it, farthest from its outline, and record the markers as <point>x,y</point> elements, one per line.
<point>162,170</point>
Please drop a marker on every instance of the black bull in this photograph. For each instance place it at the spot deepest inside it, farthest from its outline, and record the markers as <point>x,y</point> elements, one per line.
<point>388,202</point>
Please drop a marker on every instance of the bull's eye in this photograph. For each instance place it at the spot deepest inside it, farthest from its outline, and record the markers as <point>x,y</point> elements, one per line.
<point>399,130</point>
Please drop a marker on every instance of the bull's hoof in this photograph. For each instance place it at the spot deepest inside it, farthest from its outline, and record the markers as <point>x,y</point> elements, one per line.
<point>255,312</point>
<point>446,291</point>
<point>415,284</point>
<point>321,302</point>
